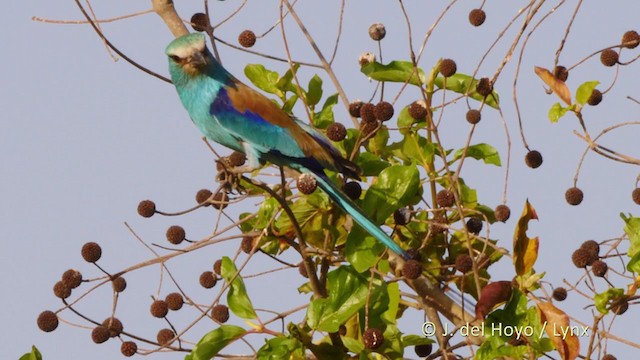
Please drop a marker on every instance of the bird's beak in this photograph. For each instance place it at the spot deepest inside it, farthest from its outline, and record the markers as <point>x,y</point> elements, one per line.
<point>197,60</point>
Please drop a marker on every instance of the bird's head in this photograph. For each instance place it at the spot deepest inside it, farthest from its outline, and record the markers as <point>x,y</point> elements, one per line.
<point>189,53</point>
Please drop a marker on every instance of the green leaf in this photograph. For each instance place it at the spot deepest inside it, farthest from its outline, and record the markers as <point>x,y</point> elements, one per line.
<point>469,196</point>
<point>556,112</point>
<point>347,294</point>
<point>484,152</point>
<point>314,94</point>
<point>395,71</point>
<point>214,341</point>
<point>33,355</point>
<point>263,79</point>
<point>584,91</point>
<point>290,103</point>
<point>362,249</point>
<point>325,117</point>
<point>632,229</point>
<point>352,344</point>
<point>465,84</point>
<point>281,348</point>
<point>266,212</point>
<point>603,299</point>
<point>413,148</point>
<point>393,188</point>
<point>237,297</point>
<point>371,164</point>
<point>413,340</point>
<point>285,83</point>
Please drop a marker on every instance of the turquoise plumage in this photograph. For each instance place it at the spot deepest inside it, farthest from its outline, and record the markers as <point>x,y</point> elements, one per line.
<point>238,117</point>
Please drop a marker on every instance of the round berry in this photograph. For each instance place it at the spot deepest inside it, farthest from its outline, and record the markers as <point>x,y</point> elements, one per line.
<point>175,234</point>
<point>159,309</point>
<point>533,159</point>
<point>383,111</point>
<point>411,269</point>
<point>217,267</point>
<point>609,57</point>
<point>574,196</point>
<point>354,108</point>
<point>477,17</point>
<point>220,200</point>
<point>402,216</point>
<point>237,159</point>
<point>336,132</point>
<point>220,313</point>
<point>559,294</point>
<point>208,280</point>
<point>47,321</point>
<point>100,334</point>
<point>246,244</point>
<point>174,301</point>
<point>91,252</point>
<point>423,350</point>
<point>484,87</point>
<point>372,338</point>
<point>445,198</point>
<point>199,22</point>
<point>369,128</point>
<point>438,224</point>
<point>630,39</point>
<point>463,263</point>
<point>307,184</point>
<point>414,254</point>
<point>473,116</point>
<point>367,112</point>
<point>595,98</point>
<point>352,189</point>
<point>377,31</point>
<point>592,247</point>
<point>165,337</point>
<point>635,195</point>
<point>599,268</point>
<point>203,196</point>
<point>61,290</point>
<point>418,110</point>
<point>474,225</point>
<point>72,278</point>
<point>609,357</point>
<point>447,67</point>
<point>247,38</point>
<point>146,208</point>
<point>119,284</point>
<point>502,213</point>
<point>581,258</point>
<point>128,348</point>
<point>561,73</point>
<point>114,326</point>
<point>620,308</point>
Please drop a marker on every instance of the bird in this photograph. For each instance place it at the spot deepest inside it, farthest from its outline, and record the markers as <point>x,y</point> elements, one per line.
<point>234,115</point>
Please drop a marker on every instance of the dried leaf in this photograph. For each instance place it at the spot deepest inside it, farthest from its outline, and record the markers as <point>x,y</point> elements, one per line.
<point>525,250</point>
<point>563,336</point>
<point>557,86</point>
<point>492,295</point>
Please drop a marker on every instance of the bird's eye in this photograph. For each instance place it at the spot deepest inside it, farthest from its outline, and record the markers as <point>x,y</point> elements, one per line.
<point>175,58</point>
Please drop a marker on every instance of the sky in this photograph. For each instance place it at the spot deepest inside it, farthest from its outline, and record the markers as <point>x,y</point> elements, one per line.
<point>84,138</point>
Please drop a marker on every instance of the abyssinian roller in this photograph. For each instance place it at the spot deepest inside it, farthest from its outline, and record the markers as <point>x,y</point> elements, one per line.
<point>238,117</point>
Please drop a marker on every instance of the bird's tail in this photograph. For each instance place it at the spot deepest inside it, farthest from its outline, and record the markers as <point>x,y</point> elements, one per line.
<point>352,209</point>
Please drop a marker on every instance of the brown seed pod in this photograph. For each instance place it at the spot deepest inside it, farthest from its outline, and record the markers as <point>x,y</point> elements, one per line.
<point>502,213</point>
<point>411,269</point>
<point>165,336</point>
<point>561,73</point>
<point>533,159</point>
<point>129,348</point>
<point>352,189</point>
<point>477,17</point>
<point>175,234</point>
<point>372,338</point>
<point>367,112</point>
<point>383,111</point>
<point>113,325</point>
<point>72,278</point>
<point>306,184</point>
<point>473,116</point>
<point>574,196</point>
<point>61,290</point>
<point>609,57</point>
<point>463,263</point>
<point>354,108</point>
<point>208,280</point>
<point>100,334</point>
<point>247,38</point>
<point>47,321</point>
<point>595,98</point>
<point>377,31</point>
<point>159,309</point>
<point>445,198</point>
<point>119,284</point>
<point>417,110</point>
<point>336,132</point>
<point>146,208</point>
<point>220,200</point>
<point>199,22</point>
<point>91,252</point>
<point>559,294</point>
<point>203,195</point>
<point>174,301</point>
<point>631,39</point>
<point>447,67</point>
<point>220,313</point>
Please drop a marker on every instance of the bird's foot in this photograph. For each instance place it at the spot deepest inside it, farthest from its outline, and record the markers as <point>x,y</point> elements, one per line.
<point>230,177</point>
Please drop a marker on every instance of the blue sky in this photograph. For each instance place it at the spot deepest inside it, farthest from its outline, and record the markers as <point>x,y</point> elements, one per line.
<point>84,139</point>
